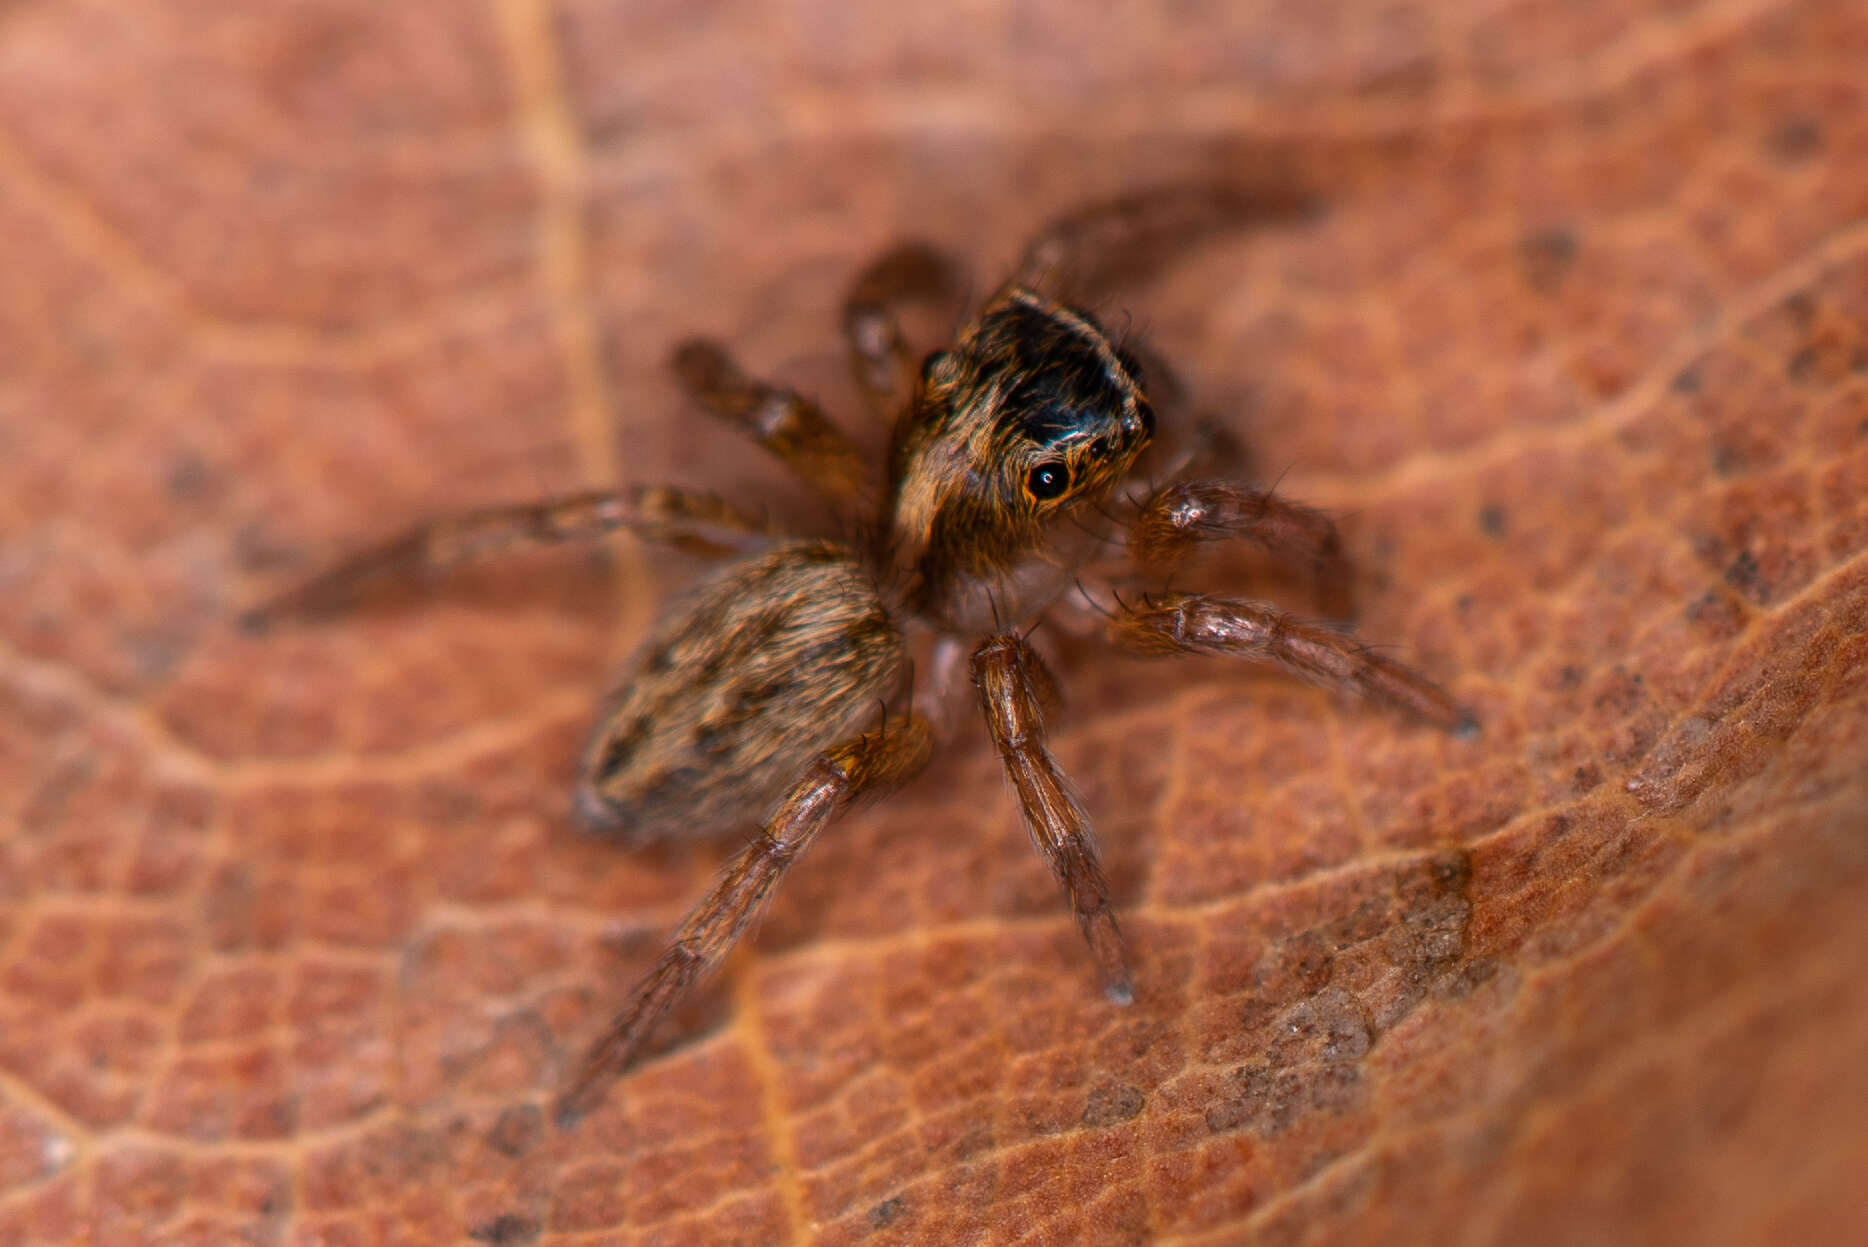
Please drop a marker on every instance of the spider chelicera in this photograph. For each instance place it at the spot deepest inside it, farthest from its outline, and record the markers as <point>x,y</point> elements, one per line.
<point>757,695</point>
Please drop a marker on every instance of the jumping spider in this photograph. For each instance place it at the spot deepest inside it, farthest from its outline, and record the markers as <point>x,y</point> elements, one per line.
<point>783,686</point>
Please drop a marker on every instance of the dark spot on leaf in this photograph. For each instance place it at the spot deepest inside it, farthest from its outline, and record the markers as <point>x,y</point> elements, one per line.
<point>1330,1026</point>
<point>1294,968</point>
<point>1271,1102</point>
<point>157,652</point>
<point>886,1213</point>
<point>1686,381</point>
<point>1728,461</point>
<point>517,1131</point>
<point>1474,975</point>
<point>1800,307</point>
<point>1547,256</point>
<point>189,478</point>
<point>1717,612</point>
<point>1109,1104</point>
<point>506,1230</point>
<point>1434,912</point>
<point>1747,577</point>
<point>1794,139</point>
<point>1492,521</point>
<point>1801,366</point>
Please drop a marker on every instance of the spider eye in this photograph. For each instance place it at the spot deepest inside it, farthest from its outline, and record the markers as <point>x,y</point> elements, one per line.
<point>1048,480</point>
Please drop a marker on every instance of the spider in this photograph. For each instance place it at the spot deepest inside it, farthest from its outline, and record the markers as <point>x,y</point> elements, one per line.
<point>757,695</point>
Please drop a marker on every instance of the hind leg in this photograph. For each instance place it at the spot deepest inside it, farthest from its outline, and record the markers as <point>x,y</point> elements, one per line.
<point>1078,258</point>
<point>873,763</point>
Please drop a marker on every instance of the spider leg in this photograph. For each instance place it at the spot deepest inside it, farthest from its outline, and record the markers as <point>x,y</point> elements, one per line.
<point>1014,688</point>
<point>700,522</point>
<point>872,763</point>
<point>1180,516</point>
<point>1078,258</point>
<point>1191,623</point>
<point>786,423</point>
<point>911,272</point>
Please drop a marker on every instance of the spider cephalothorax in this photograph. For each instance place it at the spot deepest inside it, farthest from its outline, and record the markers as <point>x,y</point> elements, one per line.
<point>1030,413</point>
<point>779,689</point>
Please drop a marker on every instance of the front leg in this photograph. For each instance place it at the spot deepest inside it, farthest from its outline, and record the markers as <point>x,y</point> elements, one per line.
<point>873,763</point>
<point>1014,686</point>
<point>1182,515</point>
<point>698,522</point>
<point>1193,623</point>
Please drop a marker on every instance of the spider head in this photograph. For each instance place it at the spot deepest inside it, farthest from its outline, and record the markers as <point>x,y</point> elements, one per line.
<point>1032,413</point>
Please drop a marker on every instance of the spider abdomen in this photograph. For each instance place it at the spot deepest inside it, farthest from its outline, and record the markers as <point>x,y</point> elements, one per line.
<point>766,664</point>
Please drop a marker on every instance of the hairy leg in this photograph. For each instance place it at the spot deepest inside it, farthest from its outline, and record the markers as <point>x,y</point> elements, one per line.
<point>699,522</point>
<point>1014,688</point>
<point>1187,623</point>
<point>911,272</point>
<point>789,425</point>
<point>1081,257</point>
<point>870,764</point>
<point>1180,516</point>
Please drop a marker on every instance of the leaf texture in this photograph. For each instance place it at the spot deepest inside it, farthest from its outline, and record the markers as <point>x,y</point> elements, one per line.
<point>296,941</point>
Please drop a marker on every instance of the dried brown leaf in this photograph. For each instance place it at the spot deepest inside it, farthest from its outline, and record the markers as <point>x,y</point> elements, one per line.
<point>295,940</point>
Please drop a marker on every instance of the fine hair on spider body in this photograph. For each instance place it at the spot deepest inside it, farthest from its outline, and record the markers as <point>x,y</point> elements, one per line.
<point>793,680</point>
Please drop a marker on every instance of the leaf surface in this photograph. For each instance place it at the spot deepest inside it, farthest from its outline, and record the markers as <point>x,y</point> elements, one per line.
<point>296,940</point>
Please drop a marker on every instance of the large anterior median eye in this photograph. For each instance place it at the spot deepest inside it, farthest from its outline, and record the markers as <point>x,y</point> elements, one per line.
<point>1048,480</point>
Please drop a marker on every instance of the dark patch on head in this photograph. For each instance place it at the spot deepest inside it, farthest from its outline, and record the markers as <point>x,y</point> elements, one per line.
<point>517,1131</point>
<point>886,1213</point>
<point>1062,377</point>
<point>1064,399</point>
<point>1111,1103</point>
<point>1547,255</point>
<point>1492,521</point>
<point>509,1229</point>
<point>1794,139</point>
